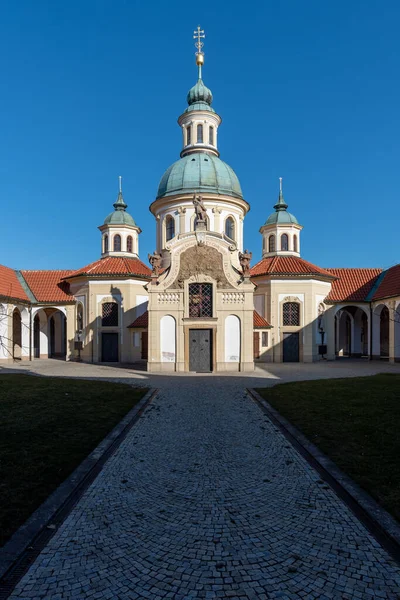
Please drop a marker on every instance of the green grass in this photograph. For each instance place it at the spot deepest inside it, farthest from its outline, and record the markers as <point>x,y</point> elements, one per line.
<point>356,422</point>
<point>48,425</point>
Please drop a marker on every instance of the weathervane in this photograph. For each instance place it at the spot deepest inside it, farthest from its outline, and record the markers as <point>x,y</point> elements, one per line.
<point>198,36</point>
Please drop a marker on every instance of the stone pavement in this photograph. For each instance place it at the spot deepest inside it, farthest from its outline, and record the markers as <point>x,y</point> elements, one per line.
<point>205,498</point>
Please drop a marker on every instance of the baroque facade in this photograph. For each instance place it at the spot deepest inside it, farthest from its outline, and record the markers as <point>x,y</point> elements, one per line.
<point>201,307</point>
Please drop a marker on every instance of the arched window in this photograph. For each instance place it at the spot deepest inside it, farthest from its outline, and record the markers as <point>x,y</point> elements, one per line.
<point>291,313</point>
<point>271,243</point>
<point>188,135</point>
<point>199,134</point>
<point>169,228</point>
<point>284,242</point>
<point>230,228</point>
<point>129,244</point>
<point>106,243</point>
<point>211,136</point>
<point>117,243</point>
<point>295,243</point>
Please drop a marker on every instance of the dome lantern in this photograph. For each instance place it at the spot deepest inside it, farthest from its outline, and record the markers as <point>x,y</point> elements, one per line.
<point>119,230</point>
<point>281,231</point>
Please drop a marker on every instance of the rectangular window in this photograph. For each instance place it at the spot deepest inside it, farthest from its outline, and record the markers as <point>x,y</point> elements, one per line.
<point>109,314</point>
<point>211,136</point>
<point>200,300</point>
<point>264,339</point>
<point>291,313</point>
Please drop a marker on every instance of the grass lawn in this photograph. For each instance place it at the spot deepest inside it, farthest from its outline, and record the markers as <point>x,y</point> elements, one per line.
<point>356,422</point>
<point>48,425</point>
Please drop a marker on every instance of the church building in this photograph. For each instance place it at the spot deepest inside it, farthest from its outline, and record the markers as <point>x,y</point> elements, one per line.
<point>200,305</point>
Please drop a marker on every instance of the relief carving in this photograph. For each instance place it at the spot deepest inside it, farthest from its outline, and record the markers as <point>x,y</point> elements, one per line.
<point>201,260</point>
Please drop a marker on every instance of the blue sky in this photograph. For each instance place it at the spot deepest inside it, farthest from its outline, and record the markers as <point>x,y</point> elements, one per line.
<point>91,89</point>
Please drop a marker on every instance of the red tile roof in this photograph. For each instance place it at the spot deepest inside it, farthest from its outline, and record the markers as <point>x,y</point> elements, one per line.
<point>259,322</point>
<point>10,286</point>
<point>142,321</point>
<point>390,284</point>
<point>114,266</point>
<point>47,286</point>
<point>352,285</point>
<point>287,265</point>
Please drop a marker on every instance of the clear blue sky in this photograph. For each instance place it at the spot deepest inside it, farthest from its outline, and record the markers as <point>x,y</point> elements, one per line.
<point>91,89</point>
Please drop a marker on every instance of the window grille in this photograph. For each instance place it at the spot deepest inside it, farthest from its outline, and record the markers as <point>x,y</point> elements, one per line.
<point>199,134</point>
<point>291,313</point>
<point>211,136</point>
<point>109,314</point>
<point>271,243</point>
<point>200,300</point>
<point>264,339</point>
<point>117,243</point>
<point>284,242</point>
<point>230,228</point>
<point>170,228</point>
<point>129,243</point>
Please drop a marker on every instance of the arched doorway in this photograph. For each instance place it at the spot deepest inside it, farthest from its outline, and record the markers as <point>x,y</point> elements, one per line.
<point>57,335</point>
<point>36,336</point>
<point>343,336</point>
<point>384,332</point>
<point>17,335</point>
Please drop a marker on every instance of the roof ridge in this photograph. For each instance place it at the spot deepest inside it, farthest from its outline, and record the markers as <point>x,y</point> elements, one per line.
<point>376,286</point>
<point>25,286</point>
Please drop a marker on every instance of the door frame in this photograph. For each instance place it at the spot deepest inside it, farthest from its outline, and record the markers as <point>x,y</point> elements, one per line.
<point>210,355</point>
<point>202,325</point>
<point>116,333</point>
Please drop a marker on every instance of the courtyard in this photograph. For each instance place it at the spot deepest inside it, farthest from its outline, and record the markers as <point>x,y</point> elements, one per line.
<point>205,498</point>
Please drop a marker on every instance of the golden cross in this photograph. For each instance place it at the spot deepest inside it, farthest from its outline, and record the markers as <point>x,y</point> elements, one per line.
<point>199,34</point>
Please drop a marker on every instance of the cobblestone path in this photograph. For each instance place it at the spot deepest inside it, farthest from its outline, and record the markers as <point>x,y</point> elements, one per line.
<point>206,499</point>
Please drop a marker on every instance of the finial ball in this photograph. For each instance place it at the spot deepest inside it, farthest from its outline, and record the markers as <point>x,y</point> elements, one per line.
<point>199,59</point>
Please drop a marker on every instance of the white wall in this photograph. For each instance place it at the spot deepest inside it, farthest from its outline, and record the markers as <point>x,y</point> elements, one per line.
<point>4,332</point>
<point>232,339</point>
<point>168,339</point>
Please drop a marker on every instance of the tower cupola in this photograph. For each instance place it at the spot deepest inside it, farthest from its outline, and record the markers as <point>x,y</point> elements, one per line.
<point>120,234</point>
<point>281,231</point>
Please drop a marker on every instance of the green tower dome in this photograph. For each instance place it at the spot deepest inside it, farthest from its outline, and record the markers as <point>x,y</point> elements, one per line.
<point>199,172</point>
<point>119,216</point>
<point>281,216</point>
<point>199,93</point>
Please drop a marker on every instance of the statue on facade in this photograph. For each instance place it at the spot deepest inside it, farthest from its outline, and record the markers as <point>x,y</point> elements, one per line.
<point>200,210</point>
<point>155,261</point>
<point>244,259</point>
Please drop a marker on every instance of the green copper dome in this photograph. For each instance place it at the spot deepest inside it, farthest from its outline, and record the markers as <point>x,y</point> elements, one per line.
<point>119,216</point>
<point>199,93</point>
<point>199,172</point>
<point>281,216</point>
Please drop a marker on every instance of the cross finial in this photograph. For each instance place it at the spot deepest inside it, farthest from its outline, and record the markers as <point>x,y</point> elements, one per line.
<point>120,183</point>
<point>198,36</point>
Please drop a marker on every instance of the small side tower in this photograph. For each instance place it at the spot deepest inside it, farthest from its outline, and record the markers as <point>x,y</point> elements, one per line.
<point>120,234</point>
<point>281,231</point>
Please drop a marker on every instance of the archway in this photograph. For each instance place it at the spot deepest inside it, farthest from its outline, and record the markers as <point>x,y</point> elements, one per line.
<point>36,336</point>
<point>343,326</point>
<point>384,332</point>
<point>17,334</point>
<point>57,335</point>
<point>352,332</point>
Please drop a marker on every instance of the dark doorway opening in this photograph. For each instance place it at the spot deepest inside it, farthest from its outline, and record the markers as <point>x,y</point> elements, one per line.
<point>109,347</point>
<point>145,345</point>
<point>200,350</point>
<point>291,347</point>
<point>36,336</point>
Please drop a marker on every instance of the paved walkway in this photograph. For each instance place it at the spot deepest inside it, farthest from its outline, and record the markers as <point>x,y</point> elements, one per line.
<point>206,499</point>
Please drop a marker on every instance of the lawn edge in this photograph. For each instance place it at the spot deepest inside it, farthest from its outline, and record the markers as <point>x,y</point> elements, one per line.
<point>378,521</point>
<point>25,544</point>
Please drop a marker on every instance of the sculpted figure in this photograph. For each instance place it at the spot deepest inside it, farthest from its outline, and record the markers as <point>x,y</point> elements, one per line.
<point>244,259</point>
<point>155,261</point>
<point>200,209</point>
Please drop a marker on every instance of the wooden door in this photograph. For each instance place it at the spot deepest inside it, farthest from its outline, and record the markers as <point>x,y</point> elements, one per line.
<point>256,344</point>
<point>291,347</point>
<point>109,347</point>
<point>200,342</point>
